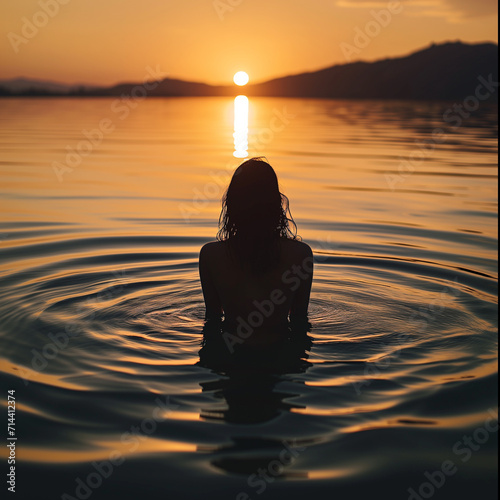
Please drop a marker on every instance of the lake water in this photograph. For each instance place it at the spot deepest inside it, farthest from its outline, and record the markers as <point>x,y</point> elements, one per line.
<point>105,208</point>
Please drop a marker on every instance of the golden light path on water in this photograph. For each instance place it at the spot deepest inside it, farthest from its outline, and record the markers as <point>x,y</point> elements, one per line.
<point>241,105</point>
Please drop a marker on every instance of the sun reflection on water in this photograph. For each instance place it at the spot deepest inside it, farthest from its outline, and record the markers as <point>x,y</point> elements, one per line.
<point>240,135</point>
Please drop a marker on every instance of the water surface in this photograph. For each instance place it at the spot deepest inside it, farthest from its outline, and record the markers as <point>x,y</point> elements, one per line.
<point>102,311</point>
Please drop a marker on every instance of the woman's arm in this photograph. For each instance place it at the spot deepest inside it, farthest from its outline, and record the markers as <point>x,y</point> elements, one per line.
<point>213,306</point>
<point>300,301</point>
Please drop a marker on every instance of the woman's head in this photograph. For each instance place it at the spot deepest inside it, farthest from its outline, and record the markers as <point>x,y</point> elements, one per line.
<point>254,212</point>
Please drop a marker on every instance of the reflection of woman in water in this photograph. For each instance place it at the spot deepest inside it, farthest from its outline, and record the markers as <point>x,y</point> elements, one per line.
<point>257,276</point>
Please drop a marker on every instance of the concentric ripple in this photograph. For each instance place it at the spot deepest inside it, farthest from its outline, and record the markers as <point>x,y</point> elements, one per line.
<point>102,310</point>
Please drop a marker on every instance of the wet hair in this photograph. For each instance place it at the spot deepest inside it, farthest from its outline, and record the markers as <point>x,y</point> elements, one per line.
<point>255,216</point>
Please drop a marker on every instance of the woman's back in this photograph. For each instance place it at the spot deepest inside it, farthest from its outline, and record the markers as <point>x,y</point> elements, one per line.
<point>253,277</point>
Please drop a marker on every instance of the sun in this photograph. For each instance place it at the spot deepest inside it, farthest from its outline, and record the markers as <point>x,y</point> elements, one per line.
<point>241,78</point>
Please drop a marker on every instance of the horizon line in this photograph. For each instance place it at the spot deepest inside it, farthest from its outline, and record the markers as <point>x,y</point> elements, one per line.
<point>258,82</point>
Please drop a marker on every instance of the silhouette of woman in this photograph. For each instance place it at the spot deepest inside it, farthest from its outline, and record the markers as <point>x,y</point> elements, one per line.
<point>257,276</point>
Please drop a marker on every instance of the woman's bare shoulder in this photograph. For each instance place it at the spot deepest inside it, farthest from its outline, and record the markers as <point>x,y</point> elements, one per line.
<point>296,247</point>
<point>212,249</point>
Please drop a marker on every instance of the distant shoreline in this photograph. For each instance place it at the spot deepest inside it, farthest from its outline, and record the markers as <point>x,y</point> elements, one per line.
<point>446,72</point>
<point>493,101</point>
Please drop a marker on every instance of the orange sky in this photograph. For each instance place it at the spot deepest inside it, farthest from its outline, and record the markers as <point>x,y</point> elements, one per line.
<point>108,41</point>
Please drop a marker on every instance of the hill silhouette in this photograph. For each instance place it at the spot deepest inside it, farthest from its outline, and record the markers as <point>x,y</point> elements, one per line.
<point>447,71</point>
